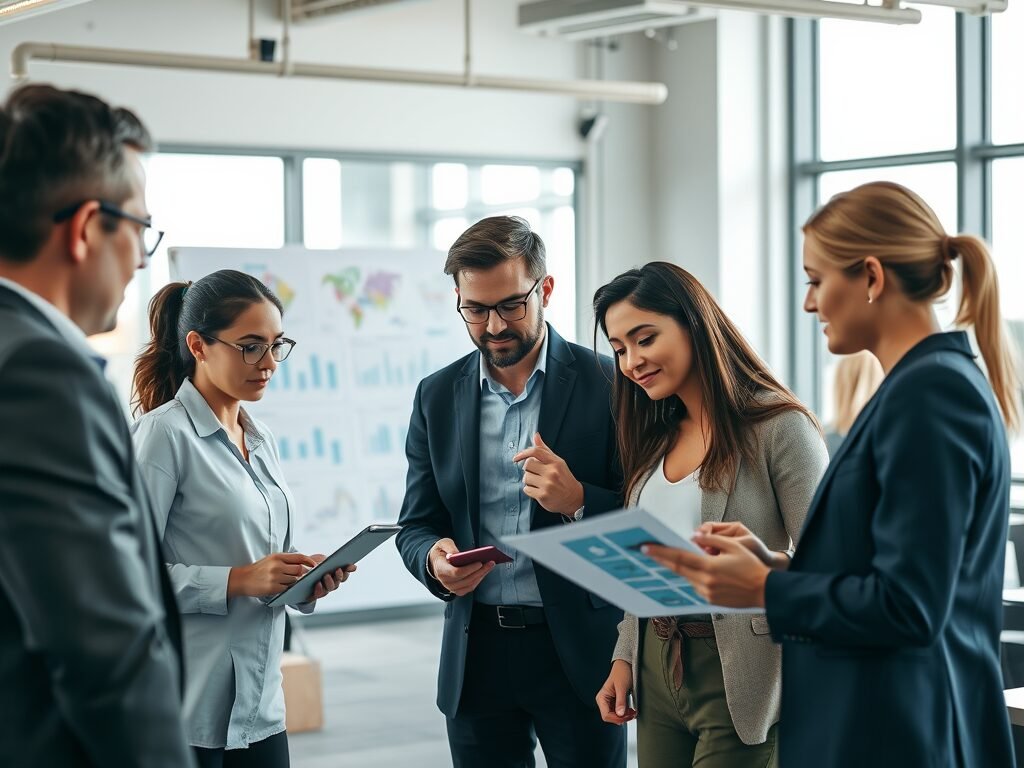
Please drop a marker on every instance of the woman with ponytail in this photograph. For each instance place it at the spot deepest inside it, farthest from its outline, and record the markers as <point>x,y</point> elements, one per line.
<point>222,507</point>
<point>889,613</point>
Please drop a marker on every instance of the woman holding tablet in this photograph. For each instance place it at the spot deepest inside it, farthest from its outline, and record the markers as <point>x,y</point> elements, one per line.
<point>222,507</point>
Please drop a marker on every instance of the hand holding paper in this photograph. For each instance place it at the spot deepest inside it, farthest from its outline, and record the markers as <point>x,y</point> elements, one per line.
<point>733,578</point>
<point>603,555</point>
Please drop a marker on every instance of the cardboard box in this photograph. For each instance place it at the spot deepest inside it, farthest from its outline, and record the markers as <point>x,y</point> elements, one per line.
<point>303,693</point>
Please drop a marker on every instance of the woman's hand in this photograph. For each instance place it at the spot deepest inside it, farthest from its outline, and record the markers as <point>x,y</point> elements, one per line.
<point>735,578</point>
<point>612,699</point>
<point>739,533</point>
<point>270,576</point>
<point>330,581</point>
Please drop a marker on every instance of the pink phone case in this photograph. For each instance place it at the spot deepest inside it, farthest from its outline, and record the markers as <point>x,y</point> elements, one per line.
<point>479,555</point>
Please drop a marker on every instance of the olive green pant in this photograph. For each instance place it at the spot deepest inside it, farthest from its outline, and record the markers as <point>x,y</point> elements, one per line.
<point>691,726</point>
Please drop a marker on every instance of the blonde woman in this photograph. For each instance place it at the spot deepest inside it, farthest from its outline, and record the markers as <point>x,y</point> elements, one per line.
<point>857,377</point>
<point>890,611</point>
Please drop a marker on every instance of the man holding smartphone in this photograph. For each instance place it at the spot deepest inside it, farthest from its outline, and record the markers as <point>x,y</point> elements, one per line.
<point>515,437</point>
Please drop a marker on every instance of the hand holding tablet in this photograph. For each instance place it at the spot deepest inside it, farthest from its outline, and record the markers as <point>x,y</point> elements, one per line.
<point>307,587</point>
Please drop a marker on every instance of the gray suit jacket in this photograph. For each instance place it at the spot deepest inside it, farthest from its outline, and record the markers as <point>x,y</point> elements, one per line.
<point>88,666</point>
<point>770,496</point>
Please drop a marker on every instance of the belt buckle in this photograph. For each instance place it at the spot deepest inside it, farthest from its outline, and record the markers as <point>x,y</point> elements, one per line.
<point>511,617</point>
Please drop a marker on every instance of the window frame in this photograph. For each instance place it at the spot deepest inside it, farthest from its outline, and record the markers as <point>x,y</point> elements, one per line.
<point>293,186</point>
<point>972,156</point>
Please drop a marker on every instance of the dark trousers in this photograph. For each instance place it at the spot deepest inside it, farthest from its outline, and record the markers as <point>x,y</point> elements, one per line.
<point>272,752</point>
<point>515,692</point>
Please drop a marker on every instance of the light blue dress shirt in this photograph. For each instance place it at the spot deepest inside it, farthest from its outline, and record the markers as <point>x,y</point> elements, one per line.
<point>507,426</point>
<point>215,510</point>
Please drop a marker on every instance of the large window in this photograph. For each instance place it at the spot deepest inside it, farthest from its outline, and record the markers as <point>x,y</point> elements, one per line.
<point>266,200</point>
<point>935,106</point>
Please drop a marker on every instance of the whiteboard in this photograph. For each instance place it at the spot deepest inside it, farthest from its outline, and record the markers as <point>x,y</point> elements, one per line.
<point>369,325</point>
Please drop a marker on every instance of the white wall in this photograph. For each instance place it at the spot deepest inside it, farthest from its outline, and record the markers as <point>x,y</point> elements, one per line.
<point>263,111</point>
<point>719,170</point>
<point>698,180</point>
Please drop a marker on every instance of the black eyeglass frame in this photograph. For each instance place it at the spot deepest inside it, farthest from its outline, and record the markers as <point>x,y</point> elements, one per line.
<point>521,306</point>
<point>277,343</point>
<point>112,210</point>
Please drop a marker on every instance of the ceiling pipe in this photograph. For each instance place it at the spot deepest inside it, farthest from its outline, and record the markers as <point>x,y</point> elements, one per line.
<point>600,90</point>
<point>889,13</point>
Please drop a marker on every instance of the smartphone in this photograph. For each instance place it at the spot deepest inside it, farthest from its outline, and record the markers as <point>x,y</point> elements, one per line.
<point>478,555</point>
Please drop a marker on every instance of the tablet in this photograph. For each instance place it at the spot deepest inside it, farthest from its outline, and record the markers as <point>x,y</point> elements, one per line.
<point>362,544</point>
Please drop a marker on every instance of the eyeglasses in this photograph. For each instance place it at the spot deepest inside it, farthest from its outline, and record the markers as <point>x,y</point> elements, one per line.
<point>254,352</point>
<point>508,311</point>
<point>149,237</point>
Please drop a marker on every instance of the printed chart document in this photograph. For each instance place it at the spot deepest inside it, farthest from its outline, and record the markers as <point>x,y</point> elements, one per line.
<point>603,556</point>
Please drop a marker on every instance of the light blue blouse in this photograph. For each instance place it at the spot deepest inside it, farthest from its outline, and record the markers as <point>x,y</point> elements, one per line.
<point>215,510</point>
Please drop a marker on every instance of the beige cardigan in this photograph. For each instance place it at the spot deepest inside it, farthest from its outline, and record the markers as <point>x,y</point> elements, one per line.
<point>771,496</point>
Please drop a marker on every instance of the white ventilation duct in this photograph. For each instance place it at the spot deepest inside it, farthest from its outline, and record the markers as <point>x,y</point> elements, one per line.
<point>580,19</point>
<point>313,10</point>
<point>584,19</point>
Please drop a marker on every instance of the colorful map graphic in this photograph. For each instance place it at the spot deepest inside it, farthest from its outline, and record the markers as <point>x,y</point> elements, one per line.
<point>283,291</point>
<point>376,292</point>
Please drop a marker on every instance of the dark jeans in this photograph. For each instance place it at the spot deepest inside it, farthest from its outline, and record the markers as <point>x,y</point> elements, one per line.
<point>272,752</point>
<point>515,692</point>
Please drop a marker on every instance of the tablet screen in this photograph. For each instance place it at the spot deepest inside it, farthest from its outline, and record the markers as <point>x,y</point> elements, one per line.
<point>362,544</point>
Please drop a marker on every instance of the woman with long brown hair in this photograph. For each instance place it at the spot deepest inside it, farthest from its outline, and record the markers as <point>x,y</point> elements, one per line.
<point>890,611</point>
<point>694,404</point>
<point>222,507</point>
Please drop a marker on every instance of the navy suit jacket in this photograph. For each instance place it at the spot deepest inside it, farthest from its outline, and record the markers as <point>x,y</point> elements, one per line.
<point>442,500</point>
<point>890,612</point>
<point>90,637</point>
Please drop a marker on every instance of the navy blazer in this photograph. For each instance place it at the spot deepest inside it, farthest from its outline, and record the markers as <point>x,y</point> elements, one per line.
<point>442,500</point>
<point>890,612</point>
<point>90,637</point>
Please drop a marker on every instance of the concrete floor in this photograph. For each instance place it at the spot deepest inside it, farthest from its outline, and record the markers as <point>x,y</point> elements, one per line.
<point>380,682</point>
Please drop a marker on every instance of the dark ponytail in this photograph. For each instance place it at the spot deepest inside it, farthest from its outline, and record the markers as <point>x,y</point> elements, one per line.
<point>207,306</point>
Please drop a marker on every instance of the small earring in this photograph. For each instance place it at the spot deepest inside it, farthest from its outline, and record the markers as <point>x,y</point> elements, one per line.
<point>869,298</point>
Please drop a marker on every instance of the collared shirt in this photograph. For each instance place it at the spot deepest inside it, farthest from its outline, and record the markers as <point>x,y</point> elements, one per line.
<point>507,426</point>
<point>65,326</point>
<point>215,511</point>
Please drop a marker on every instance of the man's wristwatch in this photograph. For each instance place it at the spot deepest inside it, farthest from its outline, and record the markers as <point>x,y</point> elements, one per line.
<point>577,515</point>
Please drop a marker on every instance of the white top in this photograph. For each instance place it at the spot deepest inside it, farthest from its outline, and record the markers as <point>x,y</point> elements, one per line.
<point>676,504</point>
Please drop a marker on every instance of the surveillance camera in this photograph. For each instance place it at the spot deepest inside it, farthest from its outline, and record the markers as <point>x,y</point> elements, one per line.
<point>592,127</point>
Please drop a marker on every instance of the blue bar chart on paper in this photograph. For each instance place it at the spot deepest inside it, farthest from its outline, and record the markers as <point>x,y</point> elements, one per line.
<point>308,374</point>
<point>383,439</point>
<point>392,366</point>
<point>312,445</point>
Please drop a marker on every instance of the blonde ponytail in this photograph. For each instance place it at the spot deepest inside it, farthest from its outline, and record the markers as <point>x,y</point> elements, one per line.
<point>893,224</point>
<point>979,306</point>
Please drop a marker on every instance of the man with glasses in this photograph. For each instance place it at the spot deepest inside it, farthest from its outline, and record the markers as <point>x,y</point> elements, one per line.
<point>89,630</point>
<point>515,437</point>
